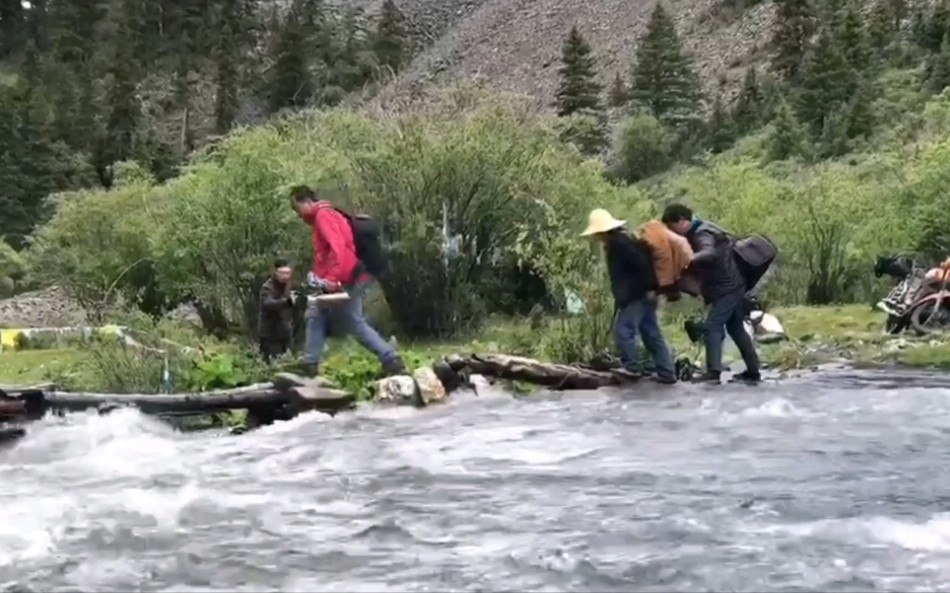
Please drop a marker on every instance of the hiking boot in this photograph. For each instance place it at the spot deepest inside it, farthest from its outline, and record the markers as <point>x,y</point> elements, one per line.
<point>394,367</point>
<point>628,375</point>
<point>663,379</point>
<point>747,376</point>
<point>311,370</point>
<point>708,377</point>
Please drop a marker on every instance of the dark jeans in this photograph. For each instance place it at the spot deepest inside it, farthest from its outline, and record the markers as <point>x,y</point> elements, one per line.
<point>727,314</point>
<point>639,318</point>
<point>271,349</point>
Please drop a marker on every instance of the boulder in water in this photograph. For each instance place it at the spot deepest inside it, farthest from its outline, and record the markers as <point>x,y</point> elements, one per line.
<point>430,387</point>
<point>400,390</point>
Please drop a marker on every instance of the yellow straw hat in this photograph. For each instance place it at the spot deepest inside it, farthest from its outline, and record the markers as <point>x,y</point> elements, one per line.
<point>601,221</point>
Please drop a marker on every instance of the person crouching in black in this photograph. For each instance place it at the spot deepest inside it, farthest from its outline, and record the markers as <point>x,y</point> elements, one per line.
<point>633,284</point>
<point>276,313</point>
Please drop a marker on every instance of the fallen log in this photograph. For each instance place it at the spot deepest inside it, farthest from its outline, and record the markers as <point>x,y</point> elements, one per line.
<point>552,375</point>
<point>214,401</point>
<point>298,392</point>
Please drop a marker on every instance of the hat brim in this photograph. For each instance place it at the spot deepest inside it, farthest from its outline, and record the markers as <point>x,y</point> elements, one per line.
<point>597,230</point>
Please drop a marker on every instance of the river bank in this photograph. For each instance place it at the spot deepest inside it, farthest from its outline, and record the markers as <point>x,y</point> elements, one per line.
<point>818,335</point>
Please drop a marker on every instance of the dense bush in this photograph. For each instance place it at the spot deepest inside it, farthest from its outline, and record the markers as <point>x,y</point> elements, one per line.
<point>455,182</point>
<point>13,269</point>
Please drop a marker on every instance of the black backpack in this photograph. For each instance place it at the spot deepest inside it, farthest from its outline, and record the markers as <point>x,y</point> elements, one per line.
<point>366,237</point>
<point>754,256</point>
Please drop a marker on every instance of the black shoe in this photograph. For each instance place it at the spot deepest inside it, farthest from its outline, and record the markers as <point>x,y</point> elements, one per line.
<point>394,367</point>
<point>663,379</point>
<point>708,377</point>
<point>751,377</point>
<point>311,370</point>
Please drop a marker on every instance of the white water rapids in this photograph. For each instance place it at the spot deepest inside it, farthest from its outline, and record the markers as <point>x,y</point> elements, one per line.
<point>830,482</point>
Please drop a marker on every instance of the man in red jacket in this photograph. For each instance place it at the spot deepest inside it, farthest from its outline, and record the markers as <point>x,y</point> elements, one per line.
<point>336,268</point>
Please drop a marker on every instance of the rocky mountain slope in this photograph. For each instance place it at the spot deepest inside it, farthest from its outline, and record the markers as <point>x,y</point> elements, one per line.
<point>515,45</point>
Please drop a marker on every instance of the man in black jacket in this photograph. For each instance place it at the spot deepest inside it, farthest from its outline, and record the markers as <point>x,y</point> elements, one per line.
<point>276,314</point>
<point>633,284</point>
<point>723,288</point>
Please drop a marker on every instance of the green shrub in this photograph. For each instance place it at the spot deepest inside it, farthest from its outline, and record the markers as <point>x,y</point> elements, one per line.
<point>643,147</point>
<point>99,246</point>
<point>13,269</point>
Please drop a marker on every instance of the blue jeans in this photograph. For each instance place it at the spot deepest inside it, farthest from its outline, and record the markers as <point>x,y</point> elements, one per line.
<point>727,314</point>
<point>351,316</point>
<point>640,318</point>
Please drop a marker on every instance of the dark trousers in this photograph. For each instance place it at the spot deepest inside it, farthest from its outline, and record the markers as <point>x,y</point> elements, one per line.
<point>727,315</point>
<point>271,349</point>
<point>639,319</point>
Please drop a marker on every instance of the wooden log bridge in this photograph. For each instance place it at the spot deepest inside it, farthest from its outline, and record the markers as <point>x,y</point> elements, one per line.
<point>550,375</point>
<point>286,396</point>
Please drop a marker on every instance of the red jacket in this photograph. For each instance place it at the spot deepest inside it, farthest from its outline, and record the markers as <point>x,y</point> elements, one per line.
<point>334,250</point>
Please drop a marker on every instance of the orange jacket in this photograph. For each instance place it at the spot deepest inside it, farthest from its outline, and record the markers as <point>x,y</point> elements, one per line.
<point>671,252</point>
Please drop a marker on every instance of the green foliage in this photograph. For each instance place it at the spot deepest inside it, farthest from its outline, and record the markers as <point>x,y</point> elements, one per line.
<point>587,130</point>
<point>643,147</point>
<point>579,89</point>
<point>664,83</point>
<point>97,245</point>
<point>470,171</point>
<point>291,85</point>
<point>721,127</point>
<point>794,27</point>
<point>13,269</point>
<point>391,42</point>
<point>828,82</point>
<point>356,371</point>
<point>750,106</point>
<point>221,370</point>
<point>619,94</point>
<point>788,138</point>
<point>472,165</point>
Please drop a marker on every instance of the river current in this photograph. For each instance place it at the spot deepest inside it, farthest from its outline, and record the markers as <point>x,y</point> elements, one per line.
<point>835,481</point>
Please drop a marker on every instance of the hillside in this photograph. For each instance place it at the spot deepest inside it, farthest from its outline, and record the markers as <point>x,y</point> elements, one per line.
<point>515,45</point>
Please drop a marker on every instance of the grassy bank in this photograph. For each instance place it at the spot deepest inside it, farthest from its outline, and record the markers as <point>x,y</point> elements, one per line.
<point>818,335</point>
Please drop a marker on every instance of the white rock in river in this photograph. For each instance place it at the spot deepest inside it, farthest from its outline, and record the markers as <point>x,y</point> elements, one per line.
<point>401,388</point>
<point>395,390</point>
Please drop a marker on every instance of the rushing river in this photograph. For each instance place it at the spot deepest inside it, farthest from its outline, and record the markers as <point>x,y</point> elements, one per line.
<point>831,482</point>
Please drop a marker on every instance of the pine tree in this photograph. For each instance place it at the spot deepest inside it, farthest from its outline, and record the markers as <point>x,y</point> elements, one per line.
<point>794,26</point>
<point>750,103</point>
<point>121,102</point>
<point>853,40</point>
<point>12,19</point>
<point>619,95</point>
<point>788,138</point>
<point>827,82</point>
<point>935,27</point>
<point>291,84</point>
<point>833,141</point>
<point>355,62</point>
<point>881,29</point>
<point>722,130</point>
<point>938,67</point>
<point>391,41</point>
<point>664,82</point>
<point>226,82</point>
<point>860,116</point>
<point>578,88</point>
<point>25,166</point>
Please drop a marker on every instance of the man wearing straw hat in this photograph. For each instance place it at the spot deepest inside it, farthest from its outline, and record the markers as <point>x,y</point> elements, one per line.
<point>633,284</point>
